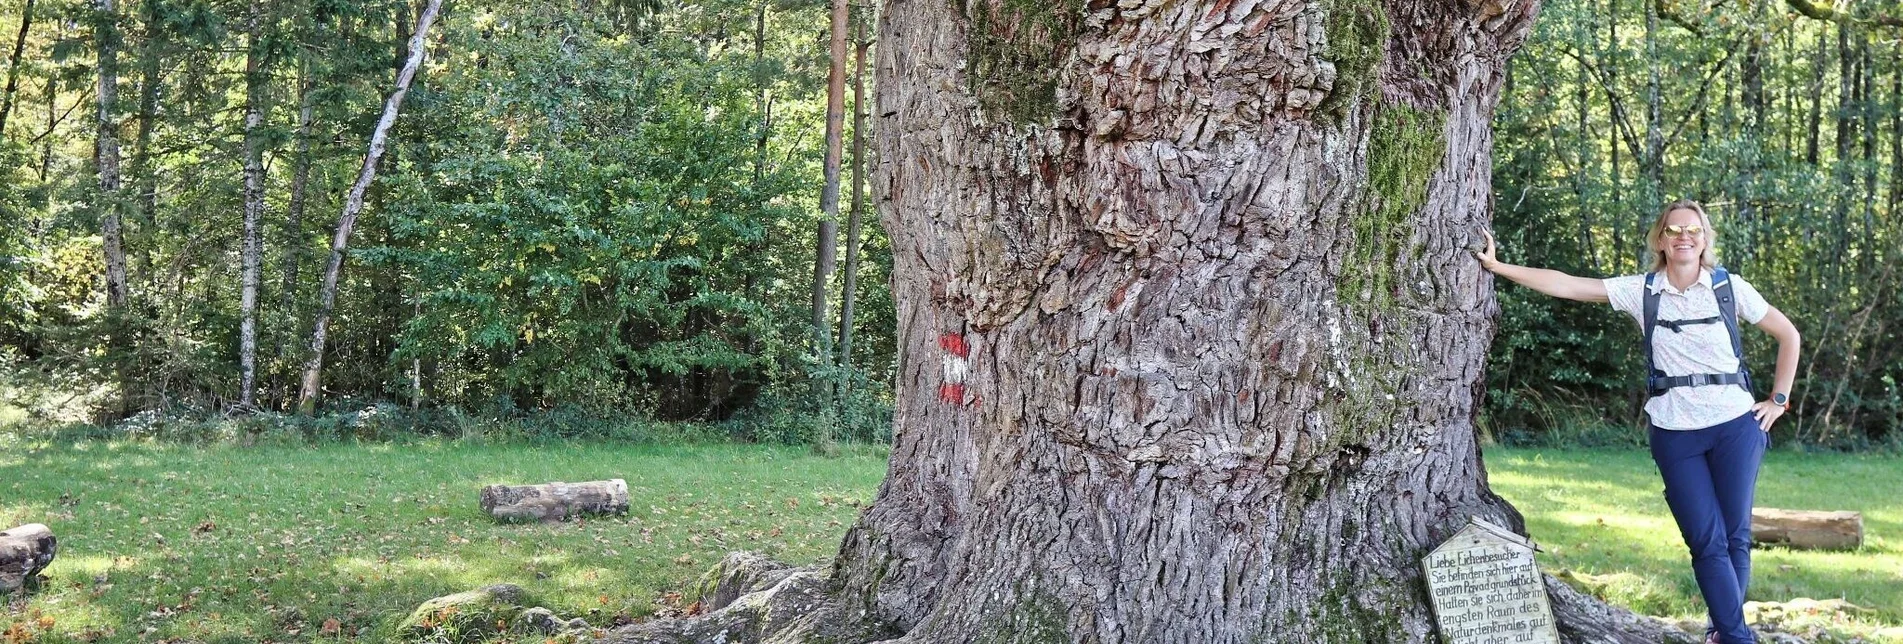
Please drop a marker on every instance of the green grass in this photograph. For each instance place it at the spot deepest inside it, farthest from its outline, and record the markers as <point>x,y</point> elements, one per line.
<point>1603,513</point>
<point>235,544</point>
<point>229,544</point>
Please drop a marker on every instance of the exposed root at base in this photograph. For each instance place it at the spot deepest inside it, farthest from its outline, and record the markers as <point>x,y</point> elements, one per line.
<point>754,600</point>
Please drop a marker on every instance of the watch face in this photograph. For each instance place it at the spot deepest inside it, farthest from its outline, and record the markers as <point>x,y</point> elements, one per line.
<point>1780,398</point>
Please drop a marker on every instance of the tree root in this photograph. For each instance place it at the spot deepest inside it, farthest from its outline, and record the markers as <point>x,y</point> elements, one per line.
<point>749,598</point>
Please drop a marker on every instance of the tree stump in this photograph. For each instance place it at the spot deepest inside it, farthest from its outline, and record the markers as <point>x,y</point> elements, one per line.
<point>24,552</point>
<point>556,501</point>
<point>1807,530</point>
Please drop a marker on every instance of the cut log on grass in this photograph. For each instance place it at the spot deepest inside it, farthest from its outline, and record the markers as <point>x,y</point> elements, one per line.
<point>24,552</point>
<point>1807,530</point>
<point>555,501</point>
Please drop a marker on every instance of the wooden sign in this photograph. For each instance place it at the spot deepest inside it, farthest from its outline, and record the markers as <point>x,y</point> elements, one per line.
<point>1487,590</point>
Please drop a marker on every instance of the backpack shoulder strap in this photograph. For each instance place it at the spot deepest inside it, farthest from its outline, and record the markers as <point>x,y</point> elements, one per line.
<point>1728,309</point>
<point>1651,322</point>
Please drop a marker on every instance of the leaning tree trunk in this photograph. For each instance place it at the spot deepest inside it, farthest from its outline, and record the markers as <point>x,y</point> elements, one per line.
<point>1191,340</point>
<point>353,204</point>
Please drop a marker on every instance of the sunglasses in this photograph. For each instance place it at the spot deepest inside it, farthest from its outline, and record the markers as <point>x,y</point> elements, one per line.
<point>1693,229</point>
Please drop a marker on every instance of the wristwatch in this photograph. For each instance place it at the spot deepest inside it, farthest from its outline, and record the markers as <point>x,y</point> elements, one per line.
<point>1781,400</point>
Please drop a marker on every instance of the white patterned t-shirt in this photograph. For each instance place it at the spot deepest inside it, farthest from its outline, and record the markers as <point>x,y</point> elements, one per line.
<point>1699,348</point>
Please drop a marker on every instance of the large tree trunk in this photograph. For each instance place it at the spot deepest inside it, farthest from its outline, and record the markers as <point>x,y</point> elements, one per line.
<point>1220,336</point>
<point>1191,340</point>
<point>353,204</point>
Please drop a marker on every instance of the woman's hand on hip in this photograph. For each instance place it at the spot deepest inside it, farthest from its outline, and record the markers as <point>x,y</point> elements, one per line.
<point>1766,412</point>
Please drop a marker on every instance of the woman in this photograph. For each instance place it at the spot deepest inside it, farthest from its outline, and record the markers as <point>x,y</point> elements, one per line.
<point>1707,433</point>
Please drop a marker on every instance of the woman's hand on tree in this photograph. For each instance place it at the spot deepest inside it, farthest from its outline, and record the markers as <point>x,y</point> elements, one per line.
<point>1485,255</point>
<point>1766,412</point>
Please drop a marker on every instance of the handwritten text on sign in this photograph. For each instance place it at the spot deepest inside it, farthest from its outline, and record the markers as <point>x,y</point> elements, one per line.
<point>1487,591</point>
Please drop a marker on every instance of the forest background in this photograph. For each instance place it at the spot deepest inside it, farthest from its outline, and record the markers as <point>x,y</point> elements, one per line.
<point>601,219</point>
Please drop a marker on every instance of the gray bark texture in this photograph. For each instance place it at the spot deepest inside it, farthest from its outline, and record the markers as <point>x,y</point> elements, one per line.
<point>1191,339</point>
<point>106,156</point>
<point>558,501</point>
<point>24,552</point>
<point>251,254</point>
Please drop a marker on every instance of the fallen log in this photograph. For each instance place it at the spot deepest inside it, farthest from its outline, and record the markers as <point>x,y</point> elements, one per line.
<point>556,501</point>
<point>24,552</point>
<point>1807,530</point>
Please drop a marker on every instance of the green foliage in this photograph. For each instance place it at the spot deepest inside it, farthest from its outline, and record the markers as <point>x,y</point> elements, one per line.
<point>603,209</point>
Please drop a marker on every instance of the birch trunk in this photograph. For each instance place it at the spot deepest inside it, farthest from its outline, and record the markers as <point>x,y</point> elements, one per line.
<point>253,211</point>
<point>106,152</point>
<point>353,203</point>
<point>1190,336</point>
<point>111,226</point>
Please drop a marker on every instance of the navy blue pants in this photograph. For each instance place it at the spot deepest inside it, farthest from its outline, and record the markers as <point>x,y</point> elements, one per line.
<point>1709,477</point>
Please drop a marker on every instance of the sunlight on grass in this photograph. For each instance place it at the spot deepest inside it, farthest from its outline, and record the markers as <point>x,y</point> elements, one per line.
<point>231,544</point>
<point>1601,516</point>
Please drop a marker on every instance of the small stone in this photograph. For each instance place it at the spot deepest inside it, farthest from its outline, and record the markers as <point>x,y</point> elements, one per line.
<point>538,620</point>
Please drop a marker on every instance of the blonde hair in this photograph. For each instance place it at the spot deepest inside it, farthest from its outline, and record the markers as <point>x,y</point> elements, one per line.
<point>1655,240</point>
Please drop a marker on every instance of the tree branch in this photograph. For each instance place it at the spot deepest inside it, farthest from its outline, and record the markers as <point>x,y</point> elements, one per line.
<point>1829,14</point>
<point>1621,123</point>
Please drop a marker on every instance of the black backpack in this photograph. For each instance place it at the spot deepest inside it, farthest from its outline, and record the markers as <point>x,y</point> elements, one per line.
<point>1656,382</point>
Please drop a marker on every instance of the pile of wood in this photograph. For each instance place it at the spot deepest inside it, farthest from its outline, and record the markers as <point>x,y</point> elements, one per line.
<point>24,552</point>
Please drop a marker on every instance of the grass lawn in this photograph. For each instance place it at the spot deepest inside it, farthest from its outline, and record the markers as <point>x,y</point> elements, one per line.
<point>229,544</point>
<point>232,544</point>
<point>1603,513</point>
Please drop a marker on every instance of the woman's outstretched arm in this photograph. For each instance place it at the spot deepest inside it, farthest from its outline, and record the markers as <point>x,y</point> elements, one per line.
<point>1546,281</point>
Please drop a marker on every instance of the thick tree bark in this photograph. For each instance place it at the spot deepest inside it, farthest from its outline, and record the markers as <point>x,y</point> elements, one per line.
<point>849,292</point>
<point>1191,338</point>
<point>251,254</point>
<point>353,203</point>
<point>13,66</point>
<point>1220,334</point>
